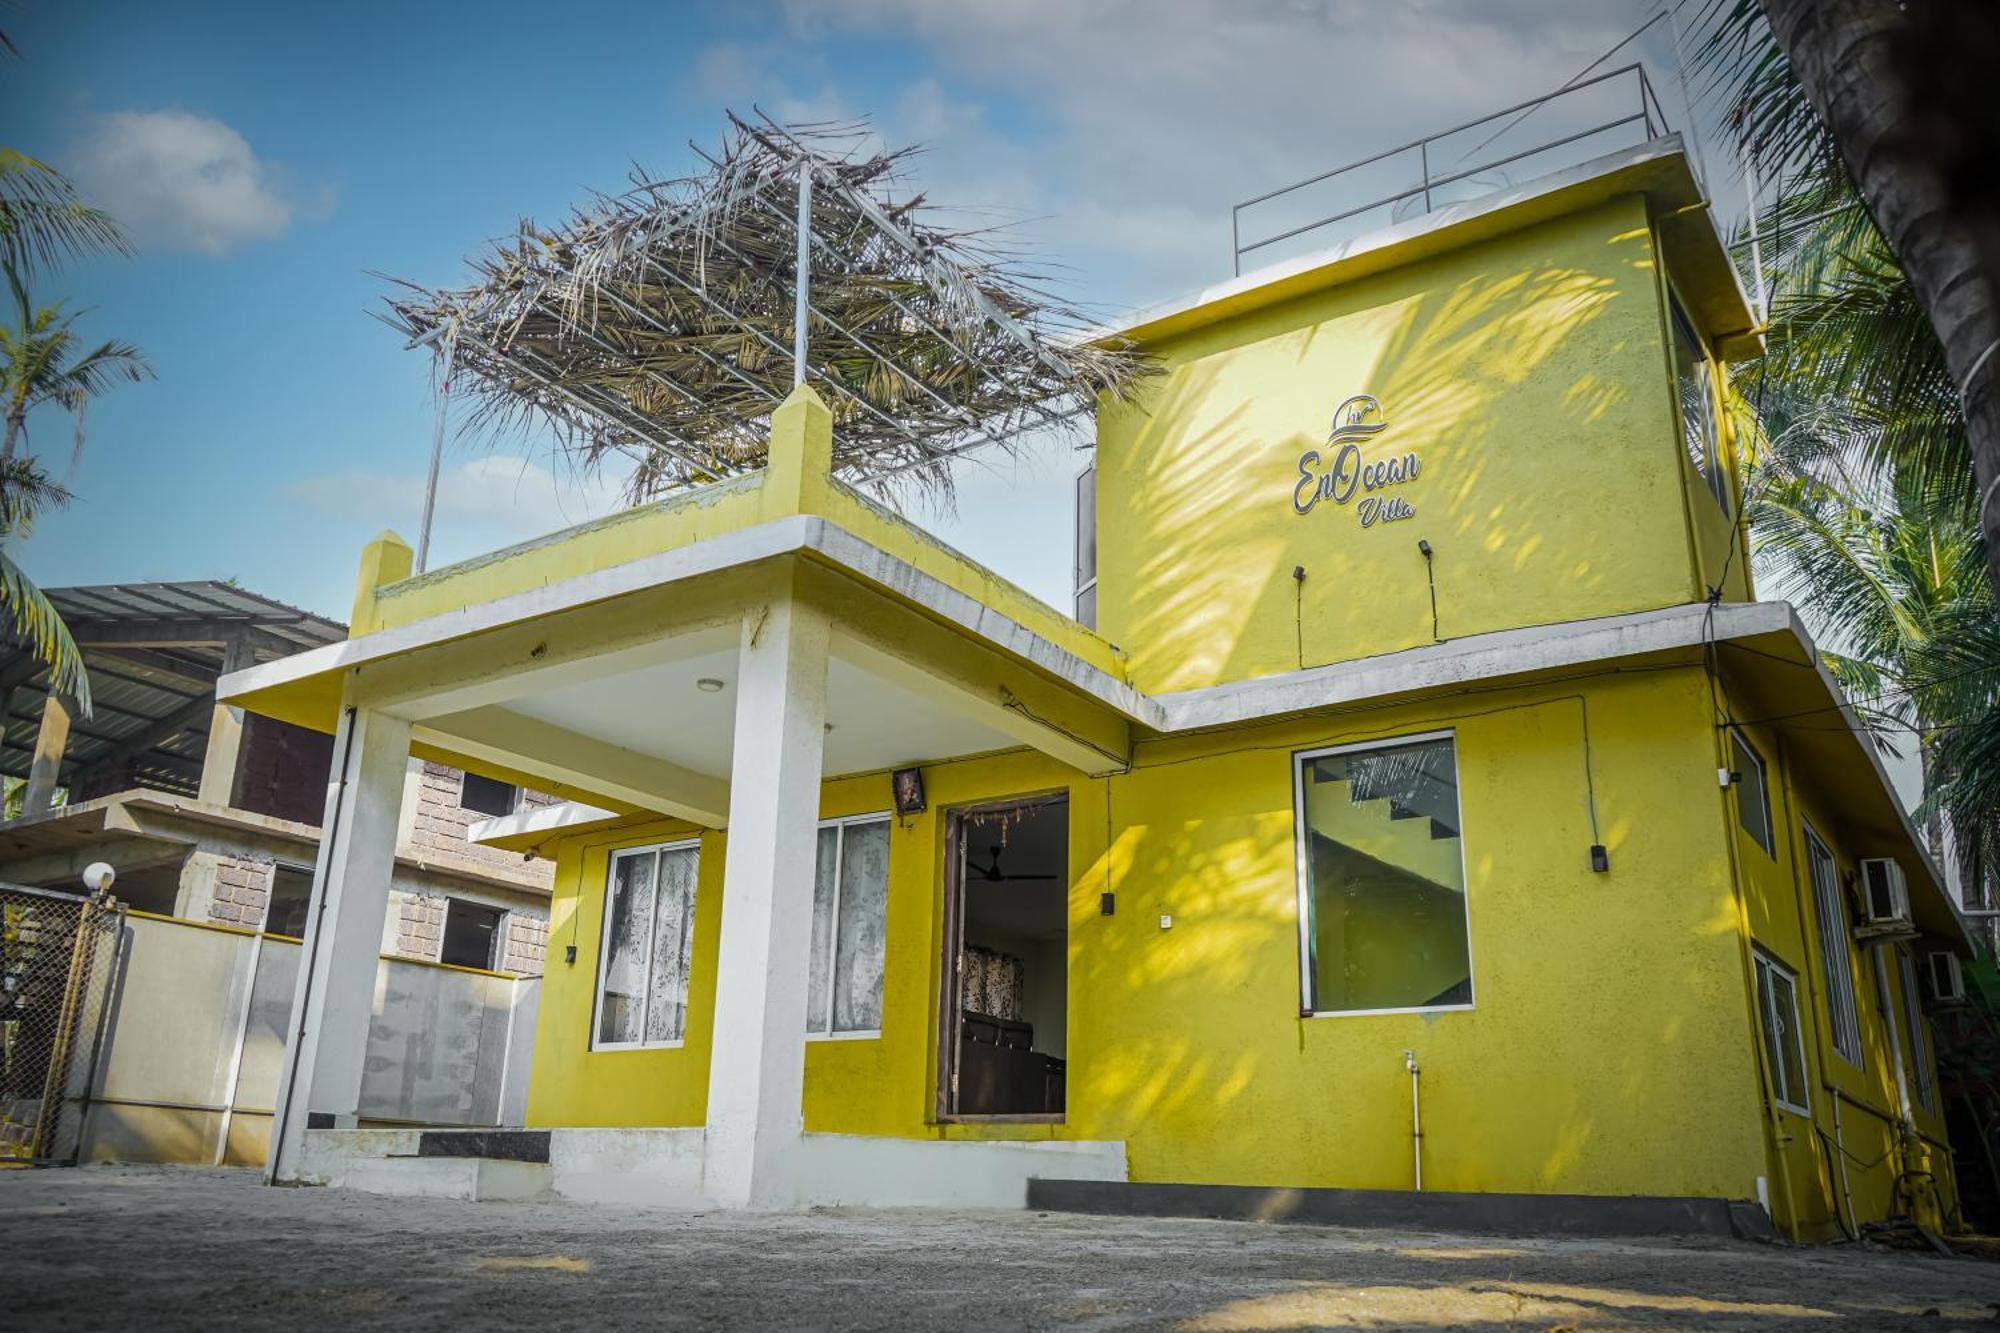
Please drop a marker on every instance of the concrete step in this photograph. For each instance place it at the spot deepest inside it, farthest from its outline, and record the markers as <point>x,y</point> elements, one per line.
<point>476,1179</point>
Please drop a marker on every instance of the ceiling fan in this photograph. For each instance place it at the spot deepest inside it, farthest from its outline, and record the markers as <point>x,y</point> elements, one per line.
<point>993,874</point>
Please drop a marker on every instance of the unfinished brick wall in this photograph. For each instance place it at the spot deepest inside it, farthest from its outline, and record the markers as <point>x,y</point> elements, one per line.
<point>526,946</point>
<point>440,824</point>
<point>419,922</point>
<point>242,890</point>
<point>282,770</point>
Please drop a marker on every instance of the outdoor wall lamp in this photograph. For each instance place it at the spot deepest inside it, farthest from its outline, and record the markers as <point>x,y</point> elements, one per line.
<point>908,786</point>
<point>708,684</point>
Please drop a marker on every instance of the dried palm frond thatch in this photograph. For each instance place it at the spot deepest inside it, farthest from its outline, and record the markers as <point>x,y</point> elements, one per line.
<point>657,324</point>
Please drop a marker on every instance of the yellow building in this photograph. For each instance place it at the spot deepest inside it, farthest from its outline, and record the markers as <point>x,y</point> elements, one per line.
<point>1432,807</point>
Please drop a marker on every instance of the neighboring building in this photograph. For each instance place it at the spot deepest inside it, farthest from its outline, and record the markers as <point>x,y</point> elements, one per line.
<point>209,815</point>
<point>1430,752</point>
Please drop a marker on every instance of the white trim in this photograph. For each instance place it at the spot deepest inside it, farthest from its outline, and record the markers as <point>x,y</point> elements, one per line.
<point>1765,960</point>
<point>1843,928</point>
<point>1769,842</point>
<point>652,938</point>
<point>1302,873</point>
<point>840,826</point>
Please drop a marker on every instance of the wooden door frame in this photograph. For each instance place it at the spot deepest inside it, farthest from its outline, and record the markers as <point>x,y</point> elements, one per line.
<point>952,943</point>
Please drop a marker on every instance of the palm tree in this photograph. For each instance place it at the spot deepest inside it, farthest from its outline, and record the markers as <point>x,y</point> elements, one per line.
<point>26,491</point>
<point>39,364</point>
<point>43,220</point>
<point>1898,96</point>
<point>1900,591</point>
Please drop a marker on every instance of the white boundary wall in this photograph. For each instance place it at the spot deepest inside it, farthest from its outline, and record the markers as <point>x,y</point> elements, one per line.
<point>195,1044</point>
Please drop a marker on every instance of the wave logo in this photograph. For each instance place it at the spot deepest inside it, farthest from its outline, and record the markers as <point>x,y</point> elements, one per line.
<point>1356,419</point>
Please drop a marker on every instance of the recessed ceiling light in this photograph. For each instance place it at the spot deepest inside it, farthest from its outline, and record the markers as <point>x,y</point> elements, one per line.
<point>708,684</point>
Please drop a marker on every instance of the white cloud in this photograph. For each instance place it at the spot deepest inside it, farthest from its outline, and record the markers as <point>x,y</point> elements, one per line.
<point>484,502</point>
<point>1151,117</point>
<point>182,181</point>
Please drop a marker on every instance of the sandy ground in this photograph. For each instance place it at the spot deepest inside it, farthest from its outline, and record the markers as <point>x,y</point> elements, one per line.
<point>167,1247</point>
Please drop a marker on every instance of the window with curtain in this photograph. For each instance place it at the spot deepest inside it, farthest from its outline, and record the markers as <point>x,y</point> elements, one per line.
<point>1843,1017</point>
<point>850,895</point>
<point>642,975</point>
<point>1382,878</point>
<point>1784,1042</point>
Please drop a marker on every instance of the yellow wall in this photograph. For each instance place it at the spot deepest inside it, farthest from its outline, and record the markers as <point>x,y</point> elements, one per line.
<point>1610,1049</point>
<point>1530,376</point>
<point>1806,1178</point>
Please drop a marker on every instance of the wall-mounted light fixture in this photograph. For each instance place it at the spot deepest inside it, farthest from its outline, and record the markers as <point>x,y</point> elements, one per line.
<point>907,784</point>
<point>708,685</point>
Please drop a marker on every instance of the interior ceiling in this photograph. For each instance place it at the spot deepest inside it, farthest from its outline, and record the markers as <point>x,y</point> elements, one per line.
<point>1037,844</point>
<point>660,710</point>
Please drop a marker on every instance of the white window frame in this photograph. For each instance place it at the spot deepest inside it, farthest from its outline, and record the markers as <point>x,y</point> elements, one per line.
<point>1742,745</point>
<point>1843,1002</point>
<point>1077,580</point>
<point>1302,873</point>
<point>841,826</point>
<point>652,938</point>
<point>1768,962</point>
<point>1922,1062</point>
<point>1713,472</point>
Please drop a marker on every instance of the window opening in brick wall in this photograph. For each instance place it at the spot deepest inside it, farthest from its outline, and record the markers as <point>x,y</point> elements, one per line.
<point>291,899</point>
<point>487,797</point>
<point>469,934</point>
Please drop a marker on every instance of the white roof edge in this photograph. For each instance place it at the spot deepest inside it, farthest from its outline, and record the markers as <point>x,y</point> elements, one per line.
<point>1450,215</point>
<point>1474,658</point>
<point>543,819</point>
<point>795,534</point>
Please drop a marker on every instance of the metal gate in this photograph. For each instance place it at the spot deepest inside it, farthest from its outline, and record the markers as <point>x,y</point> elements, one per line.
<point>58,958</point>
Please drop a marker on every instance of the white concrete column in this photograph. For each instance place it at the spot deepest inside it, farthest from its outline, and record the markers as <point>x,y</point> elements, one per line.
<point>225,734</point>
<point>756,1077</point>
<point>45,768</point>
<point>334,998</point>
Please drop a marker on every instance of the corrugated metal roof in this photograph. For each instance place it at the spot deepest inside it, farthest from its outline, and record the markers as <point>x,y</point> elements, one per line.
<point>153,651</point>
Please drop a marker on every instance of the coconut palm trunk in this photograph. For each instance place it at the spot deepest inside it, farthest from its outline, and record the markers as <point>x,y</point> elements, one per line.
<point>1905,94</point>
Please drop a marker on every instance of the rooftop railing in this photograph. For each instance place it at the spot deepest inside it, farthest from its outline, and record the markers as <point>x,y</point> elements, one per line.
<point>1607,104</point>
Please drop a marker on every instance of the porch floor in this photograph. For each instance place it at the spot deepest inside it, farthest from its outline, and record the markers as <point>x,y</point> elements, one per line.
<point>179,1247</point>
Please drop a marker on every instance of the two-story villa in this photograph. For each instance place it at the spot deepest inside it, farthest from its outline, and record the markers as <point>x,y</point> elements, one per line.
<point>1421,799</point>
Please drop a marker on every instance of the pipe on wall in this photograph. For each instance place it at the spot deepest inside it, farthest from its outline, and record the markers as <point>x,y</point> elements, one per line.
<point>1416,1119</point>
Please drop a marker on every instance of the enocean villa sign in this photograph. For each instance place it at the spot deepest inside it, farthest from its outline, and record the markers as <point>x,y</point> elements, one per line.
<point>1355,421</point>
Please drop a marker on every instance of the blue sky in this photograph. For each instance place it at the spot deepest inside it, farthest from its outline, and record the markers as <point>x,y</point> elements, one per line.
<point>269,157</point>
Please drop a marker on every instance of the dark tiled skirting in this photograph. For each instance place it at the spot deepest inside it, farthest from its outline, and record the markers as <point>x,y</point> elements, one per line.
<point>1431,1210</point>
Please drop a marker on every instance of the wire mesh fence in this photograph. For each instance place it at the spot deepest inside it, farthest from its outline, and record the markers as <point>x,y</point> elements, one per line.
<point>58,956</point>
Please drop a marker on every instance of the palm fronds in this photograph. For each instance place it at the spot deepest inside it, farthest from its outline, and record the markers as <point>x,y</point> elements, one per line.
<point>28,618</point>
<point>42,219</point>
<point>657,324</point>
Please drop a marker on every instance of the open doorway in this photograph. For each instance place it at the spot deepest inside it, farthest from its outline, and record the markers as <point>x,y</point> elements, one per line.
<point>1004,1016</point>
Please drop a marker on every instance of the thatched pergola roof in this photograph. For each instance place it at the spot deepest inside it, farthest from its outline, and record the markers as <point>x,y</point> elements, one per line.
<point>658,324</point>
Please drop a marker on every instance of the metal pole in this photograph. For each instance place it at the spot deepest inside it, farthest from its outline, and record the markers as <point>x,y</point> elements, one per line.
<point>437,456</point>
<point>804,274</point>
<point>1756,251</point>
<point>1424,156</point>
<point>1680,73</point>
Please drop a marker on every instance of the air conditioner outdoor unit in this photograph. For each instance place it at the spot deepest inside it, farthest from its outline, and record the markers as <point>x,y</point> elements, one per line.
<point>1885,899</point>
<point>1947,979</point>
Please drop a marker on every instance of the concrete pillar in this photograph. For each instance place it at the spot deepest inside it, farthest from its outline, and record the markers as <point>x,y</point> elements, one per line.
<point>225,734</point>
<point>46,766</point>
<point>334,998</point>
<point>756,1077</point>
